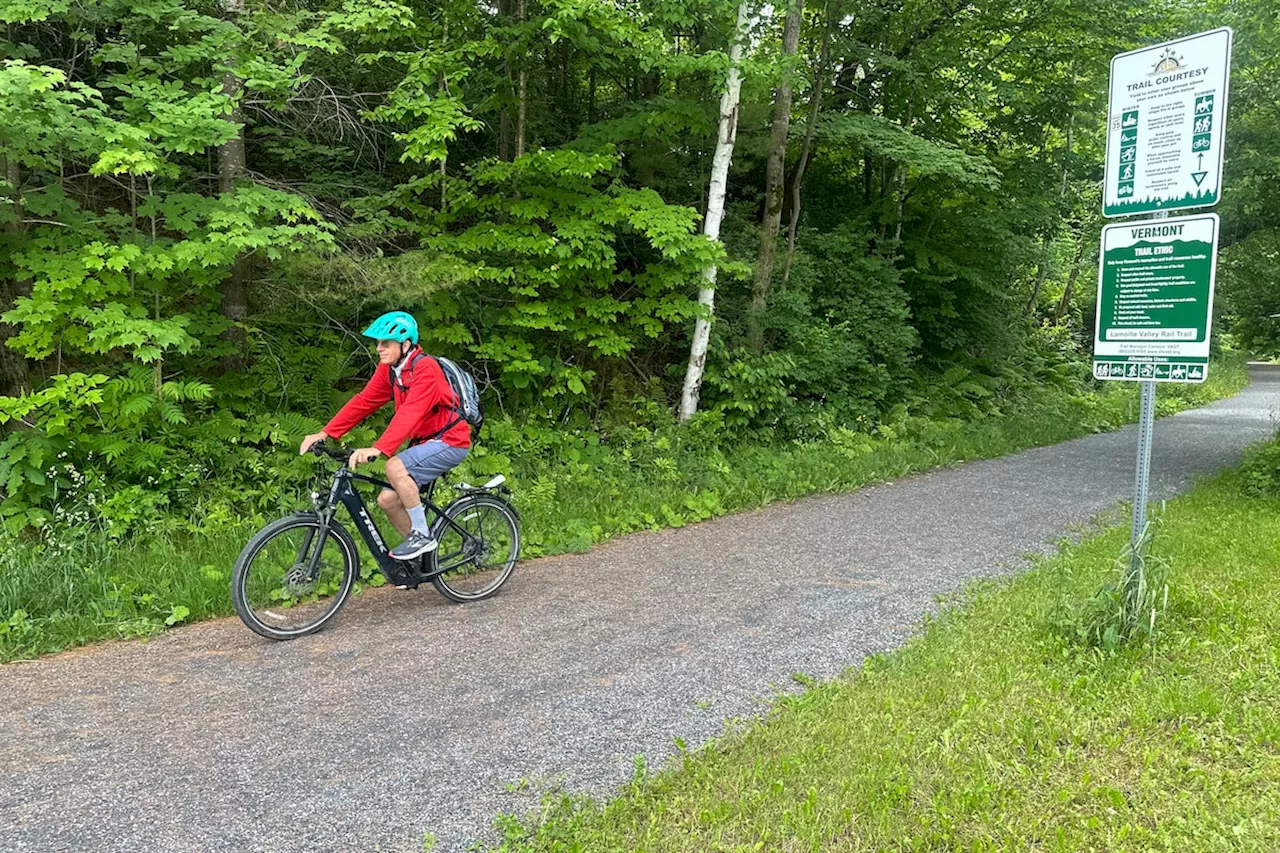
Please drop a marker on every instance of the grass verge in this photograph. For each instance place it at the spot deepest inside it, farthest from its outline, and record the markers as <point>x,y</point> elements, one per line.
<point>991,730</point>
<point>82,586</point>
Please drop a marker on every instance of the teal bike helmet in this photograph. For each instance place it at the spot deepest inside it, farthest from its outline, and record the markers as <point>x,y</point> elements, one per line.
<point>393,326</point>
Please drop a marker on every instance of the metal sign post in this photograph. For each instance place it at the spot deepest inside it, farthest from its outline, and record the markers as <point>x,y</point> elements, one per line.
<point>1142,480</point>
<point>1142,471</point>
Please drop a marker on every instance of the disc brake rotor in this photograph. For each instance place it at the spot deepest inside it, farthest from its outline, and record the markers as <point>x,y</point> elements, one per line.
<point>298,581</point>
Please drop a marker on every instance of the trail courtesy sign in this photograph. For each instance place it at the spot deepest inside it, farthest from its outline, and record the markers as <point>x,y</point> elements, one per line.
<point>1155,299</point>
<point>1167,114</point>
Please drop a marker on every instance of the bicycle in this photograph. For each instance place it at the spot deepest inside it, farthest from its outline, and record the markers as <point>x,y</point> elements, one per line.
<point>288,582</point>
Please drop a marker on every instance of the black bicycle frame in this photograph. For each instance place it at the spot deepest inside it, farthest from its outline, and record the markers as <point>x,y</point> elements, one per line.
<point>344,492</point>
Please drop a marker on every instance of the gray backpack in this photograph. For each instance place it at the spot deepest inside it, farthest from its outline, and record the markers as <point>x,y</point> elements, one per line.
<point>465,394</point>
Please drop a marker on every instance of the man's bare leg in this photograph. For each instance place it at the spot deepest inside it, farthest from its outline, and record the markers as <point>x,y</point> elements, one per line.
<point>391,505</point>
<point>405,497</point>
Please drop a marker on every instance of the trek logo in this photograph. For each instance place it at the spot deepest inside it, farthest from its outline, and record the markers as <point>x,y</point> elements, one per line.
<point>372,529</point>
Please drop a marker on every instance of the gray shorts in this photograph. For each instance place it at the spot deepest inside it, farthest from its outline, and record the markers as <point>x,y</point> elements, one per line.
<point>429,460</point>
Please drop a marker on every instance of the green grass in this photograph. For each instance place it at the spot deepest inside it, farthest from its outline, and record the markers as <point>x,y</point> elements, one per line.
<point>570,507</point>
<point>992,731</point>
<point>90,588</point>
<point>82,586</point>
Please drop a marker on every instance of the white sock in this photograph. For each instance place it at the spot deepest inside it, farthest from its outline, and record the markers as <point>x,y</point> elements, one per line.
<point>418,518</point>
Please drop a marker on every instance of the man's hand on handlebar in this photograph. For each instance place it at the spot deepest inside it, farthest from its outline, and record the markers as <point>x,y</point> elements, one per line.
<point>322,448</point>
<point>310,440</point>
<point>363,455</point>
<point>318,445</point>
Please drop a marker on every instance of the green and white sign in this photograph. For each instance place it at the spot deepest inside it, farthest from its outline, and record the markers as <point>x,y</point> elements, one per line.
<point>1167,115</point>
<point>1155,299</point>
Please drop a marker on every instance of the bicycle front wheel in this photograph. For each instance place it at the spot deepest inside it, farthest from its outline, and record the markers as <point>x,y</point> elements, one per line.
<point>476,560</point>
<point>293,577</point>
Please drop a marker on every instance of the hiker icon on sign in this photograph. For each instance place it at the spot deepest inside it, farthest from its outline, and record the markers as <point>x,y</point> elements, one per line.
<point>1127,172</point>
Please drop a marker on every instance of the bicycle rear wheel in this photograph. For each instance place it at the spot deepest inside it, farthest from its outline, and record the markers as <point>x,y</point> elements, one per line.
<point>282,588</point>
<point>475,565</point>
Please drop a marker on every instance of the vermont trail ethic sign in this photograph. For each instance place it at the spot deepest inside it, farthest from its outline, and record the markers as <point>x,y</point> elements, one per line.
<point>1168,110</point>
<point>1155,299</point>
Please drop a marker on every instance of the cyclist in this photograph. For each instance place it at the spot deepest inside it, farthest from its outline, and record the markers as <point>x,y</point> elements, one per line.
<point>439,439</point>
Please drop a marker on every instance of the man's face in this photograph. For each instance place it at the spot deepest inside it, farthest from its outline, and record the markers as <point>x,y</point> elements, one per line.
<point>388,352</point>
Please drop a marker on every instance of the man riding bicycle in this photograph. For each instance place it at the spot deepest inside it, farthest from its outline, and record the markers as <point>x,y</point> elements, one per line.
<point>425,416</point>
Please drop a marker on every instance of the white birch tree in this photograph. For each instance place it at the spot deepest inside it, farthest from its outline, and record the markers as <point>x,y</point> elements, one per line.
<point>715,213</point>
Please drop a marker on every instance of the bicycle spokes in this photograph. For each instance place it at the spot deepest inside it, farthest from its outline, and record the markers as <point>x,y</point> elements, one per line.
<point>293,578</point>
<point>476,556</point>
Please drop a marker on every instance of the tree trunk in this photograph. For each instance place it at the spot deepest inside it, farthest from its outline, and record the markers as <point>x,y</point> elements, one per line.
<point>522,90</point>
<point>1042,272</point>
<point>797,183</point>
<point>506,126</point>
<point>773,182</point>
<point>728,132</point>
<point>231,168</point>
<point>652,84</point>
<point>1061,196</point>
<point>591,97</point>
<point>902,187</point>
<point>511,131</point>
<point>1064,304</point>
<point>13,176</point>
<point>13,366</point>
<point>442,89</point>
<point>868,165</point>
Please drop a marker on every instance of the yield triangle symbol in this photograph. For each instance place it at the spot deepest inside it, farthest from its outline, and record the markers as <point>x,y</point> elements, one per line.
<point>1198,177</point>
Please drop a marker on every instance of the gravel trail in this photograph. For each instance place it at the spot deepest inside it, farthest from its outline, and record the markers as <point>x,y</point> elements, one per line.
<point>411,715</point>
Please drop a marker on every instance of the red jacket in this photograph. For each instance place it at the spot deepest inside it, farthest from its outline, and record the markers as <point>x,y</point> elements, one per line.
<point>422,410</point>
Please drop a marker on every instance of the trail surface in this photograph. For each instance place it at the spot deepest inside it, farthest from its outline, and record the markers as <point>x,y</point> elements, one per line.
<point>410,715</point>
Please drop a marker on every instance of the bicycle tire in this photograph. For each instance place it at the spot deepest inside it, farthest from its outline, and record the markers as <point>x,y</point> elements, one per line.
<point>470,580</point>
<point>240,578</point>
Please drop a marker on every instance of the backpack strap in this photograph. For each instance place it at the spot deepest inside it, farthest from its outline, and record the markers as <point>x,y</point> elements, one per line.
<point>453,423</point>
<point>456,408</point>
<point>412,367</point>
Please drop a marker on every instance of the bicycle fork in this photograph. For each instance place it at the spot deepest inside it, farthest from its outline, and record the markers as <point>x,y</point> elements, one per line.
<point>325,516</point>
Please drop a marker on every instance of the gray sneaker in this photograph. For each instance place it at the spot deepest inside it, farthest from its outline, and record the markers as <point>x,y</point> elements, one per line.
<point>414,545</point>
